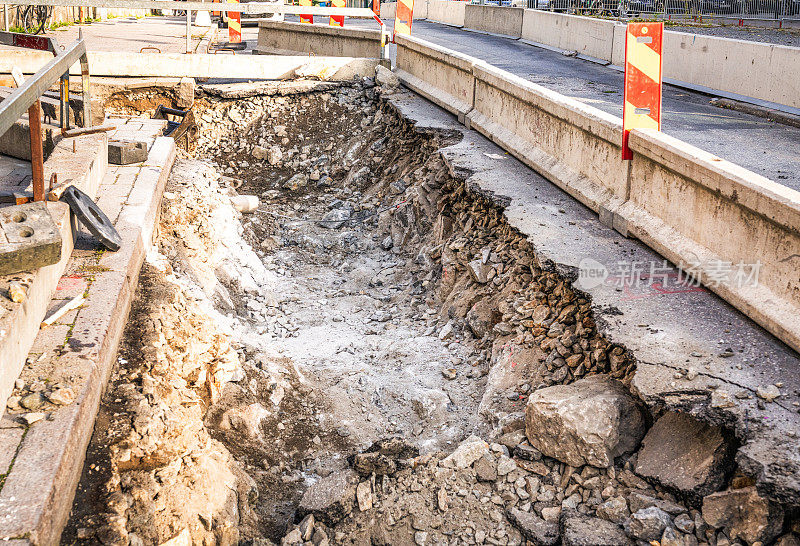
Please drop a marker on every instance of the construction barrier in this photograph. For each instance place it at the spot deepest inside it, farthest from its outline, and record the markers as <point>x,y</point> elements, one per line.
<point>404,17</point>
<point>337,20</point>
<point>376,7</point>
<point>306,18</point>
<point>642,92</point>
<point>234,25</point>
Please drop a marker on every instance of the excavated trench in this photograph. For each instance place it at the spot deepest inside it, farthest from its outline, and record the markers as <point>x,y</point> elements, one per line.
<point>315,362</point>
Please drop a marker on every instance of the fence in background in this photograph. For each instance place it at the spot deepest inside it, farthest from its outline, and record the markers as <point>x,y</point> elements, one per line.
<point>664,9</point>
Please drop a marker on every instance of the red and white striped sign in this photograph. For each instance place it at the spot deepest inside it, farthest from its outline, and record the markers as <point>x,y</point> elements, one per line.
<point>337,20</point>
<point>404,17</point>
<point>234,25</point>
<point>642,102</point>
<point>306,18</point>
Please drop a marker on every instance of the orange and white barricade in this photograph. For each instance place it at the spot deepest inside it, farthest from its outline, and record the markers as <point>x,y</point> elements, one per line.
<point>234,25</point>
<point>337,20</point>
<point>403,17</point>
<point>306,18</point>
<point>642,102</point>
<point>376,7</point>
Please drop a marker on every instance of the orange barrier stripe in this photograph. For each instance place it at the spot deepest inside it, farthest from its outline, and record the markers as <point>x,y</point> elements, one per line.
<point>404,17</point>
<point>306,18</point>
<point>643,73</point>
<point>337,20</point>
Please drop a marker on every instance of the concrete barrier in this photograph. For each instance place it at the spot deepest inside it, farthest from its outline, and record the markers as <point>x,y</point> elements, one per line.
<point>286,38</point>
<point>448,12</point>
<point>697,210</point>
<point>573,145</point>
<point>442,76</point>
<point>152,65</point>
<point>494,20</point>
<point>751,69</point>
<point>586,35</point>
<point>388,10</point>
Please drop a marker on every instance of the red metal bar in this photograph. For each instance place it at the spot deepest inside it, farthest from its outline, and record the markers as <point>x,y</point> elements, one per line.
<point>37,153</point>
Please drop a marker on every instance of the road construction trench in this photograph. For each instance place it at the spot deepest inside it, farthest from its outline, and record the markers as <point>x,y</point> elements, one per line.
<point>370,297</point>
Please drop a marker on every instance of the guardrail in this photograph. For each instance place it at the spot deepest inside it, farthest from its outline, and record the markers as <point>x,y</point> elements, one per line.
<point>253,8</point>
<point>765,10</point>
<point>28,92</point>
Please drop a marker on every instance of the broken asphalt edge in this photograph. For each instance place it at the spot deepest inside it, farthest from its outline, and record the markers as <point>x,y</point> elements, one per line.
<point>669,334</point>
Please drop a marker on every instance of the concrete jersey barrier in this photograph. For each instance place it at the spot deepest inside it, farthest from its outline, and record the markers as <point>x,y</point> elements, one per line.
<point>762,71</point>
<point>586,35</point>
<point>287,38</point>
<point>448,12</point>
<point>502,21</point>
<point>695,209</point>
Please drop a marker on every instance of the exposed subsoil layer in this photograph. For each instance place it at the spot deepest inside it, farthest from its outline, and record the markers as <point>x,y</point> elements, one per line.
<point>271,356</point>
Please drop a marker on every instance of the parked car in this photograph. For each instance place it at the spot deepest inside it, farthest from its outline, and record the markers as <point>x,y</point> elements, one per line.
<point>222,19</point>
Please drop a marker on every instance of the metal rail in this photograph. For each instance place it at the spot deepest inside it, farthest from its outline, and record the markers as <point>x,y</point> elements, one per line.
<point>249,7</point>
<point>28,92</point>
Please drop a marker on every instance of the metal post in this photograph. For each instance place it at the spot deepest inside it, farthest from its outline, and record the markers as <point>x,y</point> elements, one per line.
<point>5,16</point>
<point>37,154</point>
<point>188,30</point>
<point>64,101</point>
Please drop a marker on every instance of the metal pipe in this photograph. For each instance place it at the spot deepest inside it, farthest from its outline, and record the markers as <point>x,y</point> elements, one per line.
<point>37,153</point>
<point>247,7</point>
<point>188,30</point>
<point>13,107</point>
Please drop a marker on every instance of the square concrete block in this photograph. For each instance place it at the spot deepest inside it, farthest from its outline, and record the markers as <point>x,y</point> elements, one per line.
<point>126,152</point>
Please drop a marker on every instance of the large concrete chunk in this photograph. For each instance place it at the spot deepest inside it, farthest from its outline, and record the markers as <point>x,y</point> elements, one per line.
<point>534,528</point>
<point>744,514</point>
<point>331,498</point>
<point>29,238</point>
<point>684,454</point>
<point>590,421</point>
<point>584,531</point>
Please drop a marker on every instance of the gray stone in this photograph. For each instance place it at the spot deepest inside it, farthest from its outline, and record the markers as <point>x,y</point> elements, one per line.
<point>684,454</point>
<point>469,451</point>
<point>296,182</point>
<point>331,498</point>
<point>334,219</point>
<point>671,538</point>
<point>481,318</point>
<point>648,524</point>
<point>479,271</point>
<point>614,509</point>
<point>743,513</point>
<point>585,531</point>
<point>591,421</point>
<point>385,77</point>
<point>485,469</point>
<point>533,527</point>
<point>126,152</point>
<point>639,501</point>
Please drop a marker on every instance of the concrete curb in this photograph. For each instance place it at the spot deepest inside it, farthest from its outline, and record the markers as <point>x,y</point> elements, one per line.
<point>38,492</point>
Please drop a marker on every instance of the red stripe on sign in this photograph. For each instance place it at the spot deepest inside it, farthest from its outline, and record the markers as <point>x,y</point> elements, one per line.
<point>643,92</point>
<point>235,29</point>
<point>642,87</point>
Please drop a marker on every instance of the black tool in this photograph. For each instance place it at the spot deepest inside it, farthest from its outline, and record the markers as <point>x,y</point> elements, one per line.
<point>92,217</point>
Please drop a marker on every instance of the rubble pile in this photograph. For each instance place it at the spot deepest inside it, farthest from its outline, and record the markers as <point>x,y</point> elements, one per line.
<point>374,356</point>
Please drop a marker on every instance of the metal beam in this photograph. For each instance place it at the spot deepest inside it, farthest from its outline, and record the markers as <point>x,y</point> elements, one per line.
<point>12,108</point>
<point>248,7</point>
